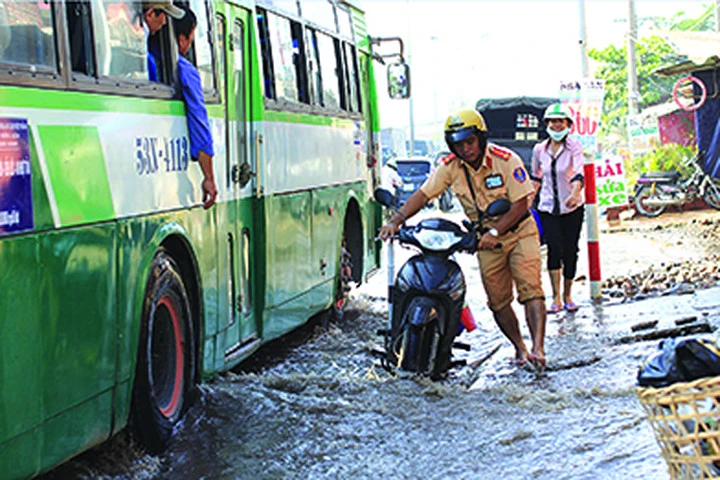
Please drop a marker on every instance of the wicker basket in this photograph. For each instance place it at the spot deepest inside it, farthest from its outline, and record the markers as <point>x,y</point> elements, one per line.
<point>685,418</point>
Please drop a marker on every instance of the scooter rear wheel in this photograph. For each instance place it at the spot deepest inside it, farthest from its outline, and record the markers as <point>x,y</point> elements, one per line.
<point>647,193</point>
<point>712,194</point>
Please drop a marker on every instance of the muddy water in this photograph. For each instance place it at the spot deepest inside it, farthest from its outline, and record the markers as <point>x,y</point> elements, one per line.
<point>316,404</point>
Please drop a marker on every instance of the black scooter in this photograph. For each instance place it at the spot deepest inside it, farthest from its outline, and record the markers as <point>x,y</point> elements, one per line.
<point>427,297</point>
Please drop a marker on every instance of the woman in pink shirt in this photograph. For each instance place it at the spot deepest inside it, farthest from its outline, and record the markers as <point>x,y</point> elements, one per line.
<point>557,170</point>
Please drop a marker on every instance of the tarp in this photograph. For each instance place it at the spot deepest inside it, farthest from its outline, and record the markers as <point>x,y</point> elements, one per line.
<point>501,115</point>
<point>540,103</point>
<point>510,123</point>
<point>707,125</point>
<point>703,62</point>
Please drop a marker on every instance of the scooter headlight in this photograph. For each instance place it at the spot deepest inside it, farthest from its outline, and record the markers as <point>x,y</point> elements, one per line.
<point>436,240</point>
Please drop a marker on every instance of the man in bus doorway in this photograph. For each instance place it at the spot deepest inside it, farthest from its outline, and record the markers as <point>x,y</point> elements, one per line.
<point>189,86</point>
<point>480,173</point>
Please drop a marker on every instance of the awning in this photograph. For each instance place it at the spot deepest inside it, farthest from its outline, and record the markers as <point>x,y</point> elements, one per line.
<point>701,48</point>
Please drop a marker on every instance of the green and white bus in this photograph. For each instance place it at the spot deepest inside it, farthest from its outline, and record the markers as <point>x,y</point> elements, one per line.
<point>121,293</point>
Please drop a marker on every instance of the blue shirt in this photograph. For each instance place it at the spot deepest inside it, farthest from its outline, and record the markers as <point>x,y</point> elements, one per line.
<point>152,68</point>
<point>198,124</point>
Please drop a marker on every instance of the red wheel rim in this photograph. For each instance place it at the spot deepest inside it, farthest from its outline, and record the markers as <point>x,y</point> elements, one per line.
<point>171,408</point>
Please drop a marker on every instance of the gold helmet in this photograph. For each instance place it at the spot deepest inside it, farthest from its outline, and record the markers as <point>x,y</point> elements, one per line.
<point>460,125</point>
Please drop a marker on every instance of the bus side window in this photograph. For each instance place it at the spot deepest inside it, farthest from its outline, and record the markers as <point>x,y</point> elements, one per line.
<point>329,71</point>
<point>222,48</point>
<point>82,56</point>
<point>341,72</point>
<point>265,47</point>
<point>201,53</point>
<point>315,80</point>
<point>353,82</point>
<point>319,12</point>
<point>300,62</point>
<point>128,55</point>
<point>27,33</point>
<point>283,48</point>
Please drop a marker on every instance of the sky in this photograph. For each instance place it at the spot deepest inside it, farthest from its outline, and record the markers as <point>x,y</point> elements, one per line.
<point>462,50</point>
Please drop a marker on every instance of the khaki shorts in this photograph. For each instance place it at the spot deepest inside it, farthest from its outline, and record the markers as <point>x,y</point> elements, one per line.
<point>519,260</point>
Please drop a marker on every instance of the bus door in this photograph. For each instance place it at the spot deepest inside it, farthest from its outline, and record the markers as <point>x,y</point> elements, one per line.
<point>243,331</point>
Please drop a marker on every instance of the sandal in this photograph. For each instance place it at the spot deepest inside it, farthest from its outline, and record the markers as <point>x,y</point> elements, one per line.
<point>555,308</point>
<point>571,307</point>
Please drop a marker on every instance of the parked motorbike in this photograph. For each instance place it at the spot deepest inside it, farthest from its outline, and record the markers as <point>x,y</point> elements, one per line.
<point>427,298</point>
<point>655,191</point>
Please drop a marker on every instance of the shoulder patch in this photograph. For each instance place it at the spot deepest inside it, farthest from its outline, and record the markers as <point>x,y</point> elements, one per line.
<point>501,152</point>
<point>449,158</point>
<point>519,174</point>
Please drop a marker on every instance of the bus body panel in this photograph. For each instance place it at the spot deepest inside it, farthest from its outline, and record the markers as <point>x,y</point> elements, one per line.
<point>112,183</point>
<point>62,357</point>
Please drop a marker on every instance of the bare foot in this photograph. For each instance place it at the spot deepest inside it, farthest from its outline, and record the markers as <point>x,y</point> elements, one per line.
<point>521,357</point>
<point>537,360</point>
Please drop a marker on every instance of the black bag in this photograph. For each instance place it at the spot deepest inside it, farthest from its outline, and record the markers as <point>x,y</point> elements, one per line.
<point>697,358</point>
<point>680,360</point>
<point>660,368</point>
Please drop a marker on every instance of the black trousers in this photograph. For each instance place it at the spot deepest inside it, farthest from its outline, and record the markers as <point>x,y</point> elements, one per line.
<point>562,233</point>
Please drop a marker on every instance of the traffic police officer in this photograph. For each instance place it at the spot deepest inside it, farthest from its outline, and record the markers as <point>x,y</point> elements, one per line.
<point>478,174</point>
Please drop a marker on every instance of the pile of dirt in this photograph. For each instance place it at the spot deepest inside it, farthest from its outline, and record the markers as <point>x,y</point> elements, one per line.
<point>669,277</point>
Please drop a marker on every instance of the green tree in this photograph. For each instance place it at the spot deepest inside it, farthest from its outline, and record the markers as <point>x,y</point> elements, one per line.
<point>650,54</point>
<point>665,158</point>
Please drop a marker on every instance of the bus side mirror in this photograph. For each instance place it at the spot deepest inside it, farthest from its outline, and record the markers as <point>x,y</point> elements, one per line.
<point>398,80</point>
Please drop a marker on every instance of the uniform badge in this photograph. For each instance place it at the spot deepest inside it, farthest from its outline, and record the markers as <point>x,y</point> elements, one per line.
<point>494,181</point>
<point>520,174</point>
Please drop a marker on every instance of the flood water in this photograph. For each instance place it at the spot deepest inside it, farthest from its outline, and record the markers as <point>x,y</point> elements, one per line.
<point>317,403</point>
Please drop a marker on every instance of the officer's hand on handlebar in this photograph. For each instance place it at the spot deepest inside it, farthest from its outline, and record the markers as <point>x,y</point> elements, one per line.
<point>488,242</point>
<point>388,230</point>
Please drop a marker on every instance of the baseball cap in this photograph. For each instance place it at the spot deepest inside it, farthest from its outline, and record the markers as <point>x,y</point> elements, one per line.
<point>167,7</point>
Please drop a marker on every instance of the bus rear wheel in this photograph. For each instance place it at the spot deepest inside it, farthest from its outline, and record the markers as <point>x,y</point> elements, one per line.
<point>343,287</point>
<point>165,368</point>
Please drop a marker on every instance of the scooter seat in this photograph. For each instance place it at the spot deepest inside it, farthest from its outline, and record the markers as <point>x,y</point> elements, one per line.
<point>658,177</point>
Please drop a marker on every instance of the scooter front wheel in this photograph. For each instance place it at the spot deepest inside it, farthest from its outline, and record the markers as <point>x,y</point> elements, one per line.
<point>647,202</point>
<point>420,345</point>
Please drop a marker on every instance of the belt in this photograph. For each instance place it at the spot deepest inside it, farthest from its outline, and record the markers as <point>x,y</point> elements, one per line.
<point>517,224</point>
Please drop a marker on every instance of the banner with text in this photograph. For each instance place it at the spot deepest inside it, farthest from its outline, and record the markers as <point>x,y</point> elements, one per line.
<point>643,133</point>
<point>16,207</point>
<point>584,98</point>
<point>610,183</point>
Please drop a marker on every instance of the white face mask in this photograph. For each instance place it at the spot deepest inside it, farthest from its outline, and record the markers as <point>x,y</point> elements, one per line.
<point>557,136</point>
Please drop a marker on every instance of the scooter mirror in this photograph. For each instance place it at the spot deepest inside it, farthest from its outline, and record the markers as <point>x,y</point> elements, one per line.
<point>384,197</point>
<point>499,207</point>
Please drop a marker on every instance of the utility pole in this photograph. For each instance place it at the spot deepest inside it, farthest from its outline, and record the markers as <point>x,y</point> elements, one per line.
<point>411,151</point>
<point>583,40</point>
<point>717,15</point>
<point>633,93</point>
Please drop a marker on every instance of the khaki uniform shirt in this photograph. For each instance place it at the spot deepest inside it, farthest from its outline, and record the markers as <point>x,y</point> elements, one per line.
<point>501,175</point>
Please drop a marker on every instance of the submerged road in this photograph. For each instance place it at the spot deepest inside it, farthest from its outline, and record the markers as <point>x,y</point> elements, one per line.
<point>316,404</point>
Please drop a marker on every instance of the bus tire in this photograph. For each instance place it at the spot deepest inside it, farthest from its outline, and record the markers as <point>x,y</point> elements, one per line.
<point>343,287</point>
<point>165,368</point>
<point>350,261</point>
